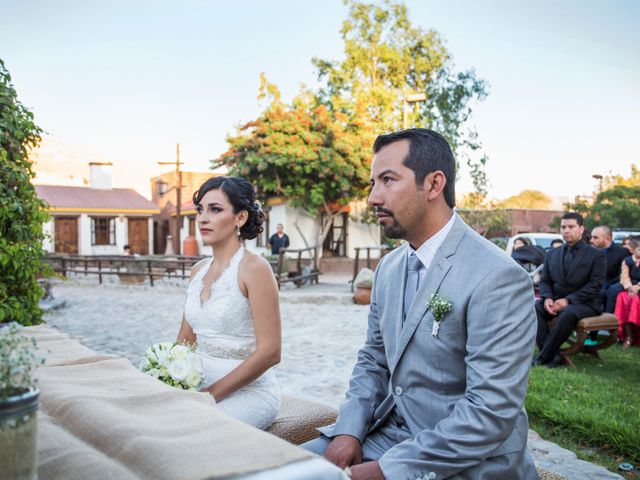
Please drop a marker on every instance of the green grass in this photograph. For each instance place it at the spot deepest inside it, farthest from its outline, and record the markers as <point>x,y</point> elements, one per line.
<point>593,409</point>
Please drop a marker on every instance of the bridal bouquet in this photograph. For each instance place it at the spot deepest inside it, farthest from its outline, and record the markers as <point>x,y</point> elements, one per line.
<point>173,364</point>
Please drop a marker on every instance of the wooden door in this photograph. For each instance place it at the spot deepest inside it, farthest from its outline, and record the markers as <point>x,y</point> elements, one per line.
<point>66,235</point>
<point>139,235</point>
<point>336,240</point>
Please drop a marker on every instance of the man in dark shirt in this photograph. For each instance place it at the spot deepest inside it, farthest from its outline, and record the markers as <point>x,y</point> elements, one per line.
<point>278,240</point>
<point>601,238</point>
<point>569,289</point>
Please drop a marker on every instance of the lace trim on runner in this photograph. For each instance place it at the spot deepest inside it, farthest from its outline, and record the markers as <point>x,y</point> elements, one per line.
<point>217,351</point>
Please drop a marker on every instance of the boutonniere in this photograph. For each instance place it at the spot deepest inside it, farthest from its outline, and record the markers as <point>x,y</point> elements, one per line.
<point>439,306</point>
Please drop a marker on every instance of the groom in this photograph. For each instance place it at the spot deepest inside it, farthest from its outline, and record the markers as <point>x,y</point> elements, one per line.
<point>438,388</point>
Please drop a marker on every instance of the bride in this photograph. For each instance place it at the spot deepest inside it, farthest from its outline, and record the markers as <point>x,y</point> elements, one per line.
<point>231,311</point>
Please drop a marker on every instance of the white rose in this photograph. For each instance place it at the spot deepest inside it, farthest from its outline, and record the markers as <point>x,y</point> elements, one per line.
<point>163,357</point>
<point>163,371</point>
<point>193,379</point>
<point>180,352</point>
<point>179,370</point>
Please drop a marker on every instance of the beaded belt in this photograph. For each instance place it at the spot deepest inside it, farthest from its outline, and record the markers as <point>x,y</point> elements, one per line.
<point>217,351</point>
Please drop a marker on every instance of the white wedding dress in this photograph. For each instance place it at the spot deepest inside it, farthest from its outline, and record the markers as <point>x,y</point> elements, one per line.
<point>224,338</point>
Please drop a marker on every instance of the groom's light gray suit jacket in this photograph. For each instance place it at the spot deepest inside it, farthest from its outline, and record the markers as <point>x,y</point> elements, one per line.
<point>462,392</point>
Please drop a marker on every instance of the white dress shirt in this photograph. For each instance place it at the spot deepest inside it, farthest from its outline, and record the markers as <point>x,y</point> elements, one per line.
<point>428,249</point>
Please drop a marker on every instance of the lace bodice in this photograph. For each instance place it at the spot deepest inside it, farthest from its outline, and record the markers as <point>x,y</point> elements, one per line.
<point>223,324</point>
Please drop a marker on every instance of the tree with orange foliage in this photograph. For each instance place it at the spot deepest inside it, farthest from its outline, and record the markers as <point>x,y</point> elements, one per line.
<point>304,152</point>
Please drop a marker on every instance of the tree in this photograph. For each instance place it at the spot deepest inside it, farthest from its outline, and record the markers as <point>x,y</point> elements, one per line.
<point>302,151</point>
<point>316,150</point>
<point>21,212</point>
<point>618,180</point>
<point>386,58</point>
<point>527,199</point>
<point>617,207</point>
<point>483,216</point>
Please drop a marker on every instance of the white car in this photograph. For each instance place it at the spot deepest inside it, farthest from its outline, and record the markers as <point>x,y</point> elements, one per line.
<point>538,239</point>
<point>620,235</point>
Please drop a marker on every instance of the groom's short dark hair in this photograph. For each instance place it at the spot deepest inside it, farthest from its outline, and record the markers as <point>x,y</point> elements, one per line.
<point>428,151</point>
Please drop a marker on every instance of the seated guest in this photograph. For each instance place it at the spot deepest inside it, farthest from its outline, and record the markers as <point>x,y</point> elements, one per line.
<point>628,305</point>
<point>569,289</point>
<point>520,242</point>
<point>601,239</point>
<point>555,243</point>
<point>626,244</point>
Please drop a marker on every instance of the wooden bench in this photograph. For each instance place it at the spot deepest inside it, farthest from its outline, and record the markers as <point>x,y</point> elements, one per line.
<point>299,270</point>
<point>606,321</point>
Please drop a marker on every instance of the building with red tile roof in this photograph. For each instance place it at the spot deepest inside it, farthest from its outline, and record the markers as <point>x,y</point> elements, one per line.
<point>97,221</point>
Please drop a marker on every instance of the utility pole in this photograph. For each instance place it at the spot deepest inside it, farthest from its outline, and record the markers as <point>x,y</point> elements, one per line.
<point>598,177</point>
<point>178,187</point>
<point>411,98</point>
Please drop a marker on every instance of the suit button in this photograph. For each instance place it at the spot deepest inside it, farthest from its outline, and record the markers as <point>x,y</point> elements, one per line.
<point>398,391</point>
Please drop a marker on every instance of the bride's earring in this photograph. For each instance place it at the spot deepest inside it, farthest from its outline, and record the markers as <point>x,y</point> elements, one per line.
<point>238,230</point>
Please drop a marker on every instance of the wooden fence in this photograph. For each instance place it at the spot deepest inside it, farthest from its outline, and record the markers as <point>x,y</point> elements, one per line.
<point>369,261</point>
<point>129,269</point>
<point>291,265</point>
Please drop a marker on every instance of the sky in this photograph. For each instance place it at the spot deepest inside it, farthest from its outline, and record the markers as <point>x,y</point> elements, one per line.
<point>124,81</point>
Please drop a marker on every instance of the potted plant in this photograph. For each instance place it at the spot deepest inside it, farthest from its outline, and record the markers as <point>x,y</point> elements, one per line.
<point>363,283</point>
<point>18,403</point>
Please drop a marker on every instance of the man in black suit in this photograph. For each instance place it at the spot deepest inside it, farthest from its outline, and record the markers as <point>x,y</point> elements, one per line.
<point>569,289</point>
<point>601,238</point>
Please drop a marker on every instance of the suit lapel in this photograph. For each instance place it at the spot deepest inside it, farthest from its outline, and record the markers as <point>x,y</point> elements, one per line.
<point>434,276</point>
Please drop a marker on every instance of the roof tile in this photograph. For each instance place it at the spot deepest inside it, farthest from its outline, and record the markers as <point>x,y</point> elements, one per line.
<point>83,197</point>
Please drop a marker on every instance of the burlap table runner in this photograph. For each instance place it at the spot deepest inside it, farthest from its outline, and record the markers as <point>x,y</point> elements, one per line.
<point>102,418</point>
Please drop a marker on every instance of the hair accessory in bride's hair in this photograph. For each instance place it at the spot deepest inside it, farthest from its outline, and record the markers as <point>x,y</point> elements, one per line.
<point>258,204</point>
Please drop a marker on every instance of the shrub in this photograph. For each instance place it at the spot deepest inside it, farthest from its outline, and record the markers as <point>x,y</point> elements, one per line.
<point>21,212</point>
<point>18,361</point>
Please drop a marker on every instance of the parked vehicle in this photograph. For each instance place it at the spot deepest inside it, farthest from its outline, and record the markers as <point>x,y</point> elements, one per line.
<point>619,235</point>
<point>536,239</point>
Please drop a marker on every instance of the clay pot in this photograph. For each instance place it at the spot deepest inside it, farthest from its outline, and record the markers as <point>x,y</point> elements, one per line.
<point>362,295</point>
<point>190,247</point>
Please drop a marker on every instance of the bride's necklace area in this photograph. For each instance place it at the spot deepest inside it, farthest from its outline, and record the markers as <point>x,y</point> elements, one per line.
<point>221,267</point>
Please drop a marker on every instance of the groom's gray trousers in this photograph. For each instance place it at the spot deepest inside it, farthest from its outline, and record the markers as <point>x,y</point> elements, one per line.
<point>394,431</point>
<point>375,444</point>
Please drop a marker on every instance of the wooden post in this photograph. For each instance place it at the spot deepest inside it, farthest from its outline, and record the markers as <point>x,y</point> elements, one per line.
<point>100,271</point>
<point>150,272</point>
<point>178,199</point>
<point>355,268</point>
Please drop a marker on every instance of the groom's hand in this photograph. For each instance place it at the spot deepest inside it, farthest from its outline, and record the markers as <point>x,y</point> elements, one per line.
<point>367,471</point>
<point>344,451</point>
<point>548,306</point>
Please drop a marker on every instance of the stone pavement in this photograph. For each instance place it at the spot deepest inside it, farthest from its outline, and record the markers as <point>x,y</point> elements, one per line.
<point>322,331</point>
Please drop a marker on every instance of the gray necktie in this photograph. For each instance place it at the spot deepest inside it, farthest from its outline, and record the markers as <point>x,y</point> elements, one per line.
<point>413,277</point>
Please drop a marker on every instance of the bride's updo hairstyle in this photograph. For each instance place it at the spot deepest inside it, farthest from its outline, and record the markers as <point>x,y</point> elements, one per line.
<point>242,196</point>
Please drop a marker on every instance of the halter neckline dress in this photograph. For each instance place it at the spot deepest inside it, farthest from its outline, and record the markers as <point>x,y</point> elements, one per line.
<point>224,338</point>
